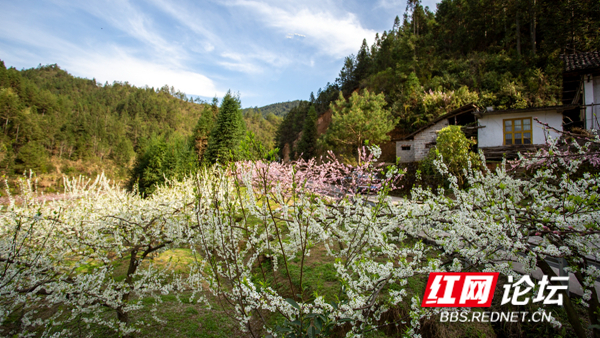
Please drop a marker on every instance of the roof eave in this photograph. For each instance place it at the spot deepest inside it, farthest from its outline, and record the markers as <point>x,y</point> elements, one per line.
<point>558,109</point>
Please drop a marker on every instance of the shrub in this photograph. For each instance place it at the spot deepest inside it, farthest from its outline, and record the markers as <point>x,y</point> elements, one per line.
<point>455,151</point>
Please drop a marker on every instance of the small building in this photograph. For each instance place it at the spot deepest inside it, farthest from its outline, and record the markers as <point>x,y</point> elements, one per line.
<point>581,87</point>
<point>415,147</point>
<point>508,132</point>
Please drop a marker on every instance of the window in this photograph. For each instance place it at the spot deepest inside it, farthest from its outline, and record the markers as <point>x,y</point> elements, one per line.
<point>517,131</point>
<point>405,147</point>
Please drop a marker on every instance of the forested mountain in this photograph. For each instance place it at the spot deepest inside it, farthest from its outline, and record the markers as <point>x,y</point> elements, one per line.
<point>502,53</point>
<point>277,109</point>
<point>55,122</point>
<point>263,126</point>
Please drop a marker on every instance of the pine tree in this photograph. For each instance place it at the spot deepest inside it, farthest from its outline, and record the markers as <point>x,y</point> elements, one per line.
<point>360,118</point>
<point>307,146</point>
<point>203,128</point>
<point>229,130</point>
<point>363,63</point>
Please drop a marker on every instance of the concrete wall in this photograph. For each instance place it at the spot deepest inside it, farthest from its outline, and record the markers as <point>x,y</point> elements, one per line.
<point>492,135</point>
<point>420,145</point>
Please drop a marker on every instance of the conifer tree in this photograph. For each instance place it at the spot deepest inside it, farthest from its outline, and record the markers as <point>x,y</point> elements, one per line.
<point>229,130</point>
<point>307,146</point>
<point>202,130</point>
<point>360,118</point>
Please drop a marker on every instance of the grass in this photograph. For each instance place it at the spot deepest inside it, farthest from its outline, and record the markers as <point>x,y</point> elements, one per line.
<point>188,320</point>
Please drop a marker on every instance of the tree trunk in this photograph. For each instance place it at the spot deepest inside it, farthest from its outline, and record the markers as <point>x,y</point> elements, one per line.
<point>518,34</point>
<point>123,316</point>
<point>505,31</point>
<point>533,26</point>
<point>133,264</point>
<point>568,306</point>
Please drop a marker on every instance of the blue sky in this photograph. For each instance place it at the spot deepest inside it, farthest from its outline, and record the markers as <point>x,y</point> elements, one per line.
<point>268,51</point>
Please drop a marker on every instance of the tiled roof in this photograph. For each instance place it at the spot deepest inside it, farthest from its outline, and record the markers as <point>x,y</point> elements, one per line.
<point>581,61</point>
<point>467,108</point>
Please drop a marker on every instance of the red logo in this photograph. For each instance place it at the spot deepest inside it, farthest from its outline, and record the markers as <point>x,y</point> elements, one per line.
<point>460,289</point>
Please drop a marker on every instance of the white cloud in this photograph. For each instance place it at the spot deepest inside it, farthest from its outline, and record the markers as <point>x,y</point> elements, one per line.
<point>252,62</point>
<point>294,35</point>
<point>400,5</point>
<point>124,16</point>
<point>191,22</point>
<point>239,62</point>
<point>334,35</point>
<point>122,67</point>
<point>209,47</point>
<point>101,61</point>
<point>246,57</point>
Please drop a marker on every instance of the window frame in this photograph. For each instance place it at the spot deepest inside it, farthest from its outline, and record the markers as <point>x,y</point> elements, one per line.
<point>522,131</point>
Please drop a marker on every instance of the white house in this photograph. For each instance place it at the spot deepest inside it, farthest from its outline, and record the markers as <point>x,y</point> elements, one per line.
<point>517,127</point>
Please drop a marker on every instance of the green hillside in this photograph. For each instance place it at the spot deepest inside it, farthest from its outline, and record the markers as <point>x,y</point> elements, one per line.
<point>55,123</point>
<point>277,109</point>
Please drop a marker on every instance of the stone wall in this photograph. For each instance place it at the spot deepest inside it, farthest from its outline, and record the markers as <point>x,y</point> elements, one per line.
<point>408,154</point>
<point>420,145</point>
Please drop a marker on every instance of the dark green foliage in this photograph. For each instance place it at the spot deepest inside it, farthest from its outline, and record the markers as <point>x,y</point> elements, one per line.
<point>278,109</point>
<point>361,119</point>
<point>31,156</point>
<point>307,146</point>
<point>123,152</point>
<point>46,111</point>
<point>228,131</point>
<point>456,152</point>
<point>205,124</point>
<point>293,123</point>
<point>325,97</point>
<point>159,160</point>
<point>290,127</point>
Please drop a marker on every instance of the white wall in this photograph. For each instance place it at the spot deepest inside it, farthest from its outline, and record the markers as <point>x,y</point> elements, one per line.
<point>591,121</point>
<point>492,135</point>
<point>596,107</point>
